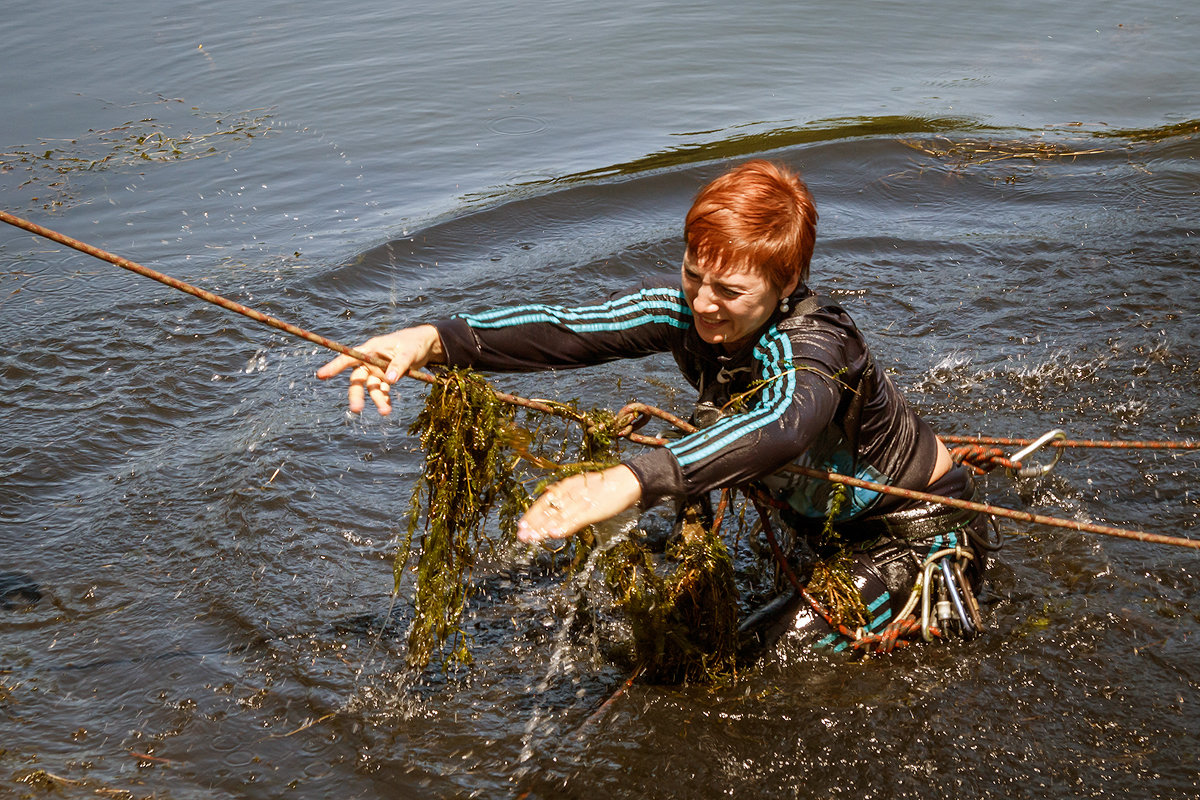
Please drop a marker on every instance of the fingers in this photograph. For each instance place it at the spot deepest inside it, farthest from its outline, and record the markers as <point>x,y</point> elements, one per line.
<point>572,504</point>
<point>358,379</point>
<point>336,366</point>
<point>365,383</point>
<point>401,364</point>
<point>379,346</point>
<point>379,393</point>
<point>550,517</point>
<point>405,349</point>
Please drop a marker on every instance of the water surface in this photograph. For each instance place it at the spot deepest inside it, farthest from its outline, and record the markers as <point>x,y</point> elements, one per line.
<point>196,540</point>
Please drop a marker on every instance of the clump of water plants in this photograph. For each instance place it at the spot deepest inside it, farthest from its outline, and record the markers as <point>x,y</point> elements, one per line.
<point>468,470</point>
<point>473,446</point>
<point>681,605</point>
<point>832,582</point>
<point>961,154</point>
<point>53,163</point>
<point>684,624</point>
<point>684,618</point>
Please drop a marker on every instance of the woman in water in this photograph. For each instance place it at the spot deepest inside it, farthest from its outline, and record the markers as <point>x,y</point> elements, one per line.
<point>782,379</point>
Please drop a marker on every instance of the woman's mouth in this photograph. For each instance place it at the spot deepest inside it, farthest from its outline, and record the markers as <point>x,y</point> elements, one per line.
<point>711,330</point>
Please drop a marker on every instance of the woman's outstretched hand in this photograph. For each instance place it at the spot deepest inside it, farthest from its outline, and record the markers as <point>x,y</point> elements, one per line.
<point>573,503</point>
<point>561,511</point>
<point>408,348</point>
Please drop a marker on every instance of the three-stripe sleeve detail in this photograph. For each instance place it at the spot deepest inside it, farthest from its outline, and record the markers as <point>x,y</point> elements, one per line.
<point>644,307</point>
<point>775,353</point>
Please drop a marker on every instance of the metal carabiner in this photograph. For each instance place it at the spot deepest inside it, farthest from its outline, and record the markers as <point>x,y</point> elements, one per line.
<point>1037,470</point>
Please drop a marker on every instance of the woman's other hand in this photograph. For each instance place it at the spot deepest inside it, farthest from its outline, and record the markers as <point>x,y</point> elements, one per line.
<point>406,349</point>
<point>573,503</point>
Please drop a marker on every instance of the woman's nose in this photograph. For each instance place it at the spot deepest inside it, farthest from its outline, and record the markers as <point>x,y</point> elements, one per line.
<point>706,300</point>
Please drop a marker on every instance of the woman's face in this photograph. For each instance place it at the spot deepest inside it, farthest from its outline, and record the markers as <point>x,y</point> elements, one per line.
<point>728,308</point>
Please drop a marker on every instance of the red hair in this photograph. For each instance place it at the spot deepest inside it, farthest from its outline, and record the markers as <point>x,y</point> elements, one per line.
<point>758,217</point>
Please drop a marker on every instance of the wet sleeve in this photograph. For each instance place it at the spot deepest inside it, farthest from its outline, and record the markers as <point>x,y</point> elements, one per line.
<point>537,337</point>
<point>796,408</point>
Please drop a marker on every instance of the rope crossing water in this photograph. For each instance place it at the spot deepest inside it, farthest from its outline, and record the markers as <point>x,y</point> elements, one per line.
<point>977,441</point>
<point>238,308</point>
<point>998,511</point>
<point>635,415</point>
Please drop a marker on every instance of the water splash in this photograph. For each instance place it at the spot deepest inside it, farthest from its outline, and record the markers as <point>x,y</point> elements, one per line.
<point>540,729</point>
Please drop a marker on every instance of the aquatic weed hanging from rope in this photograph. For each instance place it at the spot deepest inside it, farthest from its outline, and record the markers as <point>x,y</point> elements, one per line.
<point>467,471</point>
<point>684,622</point>
<point>831,581</point>
<point>683,616</point>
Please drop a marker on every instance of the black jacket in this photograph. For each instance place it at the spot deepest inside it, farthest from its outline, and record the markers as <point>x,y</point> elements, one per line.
<point>797,385</point>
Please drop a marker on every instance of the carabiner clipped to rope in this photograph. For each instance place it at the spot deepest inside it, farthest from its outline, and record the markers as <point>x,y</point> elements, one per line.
<point>1036,470</point>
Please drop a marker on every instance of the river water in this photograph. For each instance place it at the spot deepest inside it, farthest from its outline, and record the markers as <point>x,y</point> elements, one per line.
<point>196,539</point>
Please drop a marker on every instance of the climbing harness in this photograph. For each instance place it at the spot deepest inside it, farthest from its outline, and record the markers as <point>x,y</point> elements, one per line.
<point>940,602</point>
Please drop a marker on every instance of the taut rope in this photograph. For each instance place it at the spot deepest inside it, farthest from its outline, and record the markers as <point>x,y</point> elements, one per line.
<point>637,413</point>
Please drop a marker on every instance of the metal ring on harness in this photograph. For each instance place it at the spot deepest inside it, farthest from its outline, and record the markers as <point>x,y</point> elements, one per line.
<point>955,597</point>
<point>924,586</point>
<point>1037,470</point>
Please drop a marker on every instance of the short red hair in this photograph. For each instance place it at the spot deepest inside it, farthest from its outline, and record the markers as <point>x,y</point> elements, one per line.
<point>759,217</point>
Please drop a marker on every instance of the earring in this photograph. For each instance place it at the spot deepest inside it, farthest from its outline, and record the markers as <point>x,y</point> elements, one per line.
<point>785,306</point>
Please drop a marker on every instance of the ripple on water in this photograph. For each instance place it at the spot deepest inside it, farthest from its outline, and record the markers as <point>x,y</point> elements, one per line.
<point>517,125</point>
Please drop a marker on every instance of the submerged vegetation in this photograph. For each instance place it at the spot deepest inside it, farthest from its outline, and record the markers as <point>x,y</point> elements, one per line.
<point>51,164</point>
<point>1059,144</point>
<point>684,624</point>
<point>831,581</point>
<point>681,604</point>
<point>1188,128</point>
<point>467,472</point>
<point>963,153</point>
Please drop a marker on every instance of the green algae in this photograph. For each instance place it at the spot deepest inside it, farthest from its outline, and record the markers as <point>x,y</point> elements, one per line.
<point>681,605</point>
<point>468,470</point>
<point>684,623</point>
<point>52,165</point>
<point>683,612</point>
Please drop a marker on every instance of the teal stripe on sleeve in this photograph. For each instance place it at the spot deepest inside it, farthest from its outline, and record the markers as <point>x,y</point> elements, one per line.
<point>777,395</point>
<point>647,306</point>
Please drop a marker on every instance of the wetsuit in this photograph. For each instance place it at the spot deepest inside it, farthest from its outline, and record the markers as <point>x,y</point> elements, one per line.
<point>804,391</point>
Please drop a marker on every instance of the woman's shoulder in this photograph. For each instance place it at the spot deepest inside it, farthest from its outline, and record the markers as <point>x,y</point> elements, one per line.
<point>824,332</point>
<point>815,316</point>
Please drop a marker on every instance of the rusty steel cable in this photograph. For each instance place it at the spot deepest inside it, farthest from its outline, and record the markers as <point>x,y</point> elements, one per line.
<point>998,511</point>
<point>1098,443</point>
<point>231,305</point>
<point>633,415</point>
